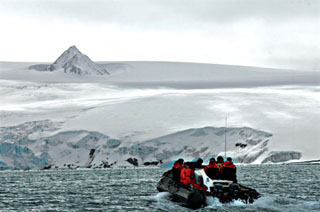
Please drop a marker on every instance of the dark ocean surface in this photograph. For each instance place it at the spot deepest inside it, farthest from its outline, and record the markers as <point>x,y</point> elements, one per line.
<point>284,188</point>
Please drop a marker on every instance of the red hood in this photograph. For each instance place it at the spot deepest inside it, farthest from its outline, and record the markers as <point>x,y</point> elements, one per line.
<point>228,164</point>
<point>213,165</point>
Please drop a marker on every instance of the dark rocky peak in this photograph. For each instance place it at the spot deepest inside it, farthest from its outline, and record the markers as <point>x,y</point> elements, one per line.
<point>73,61</point>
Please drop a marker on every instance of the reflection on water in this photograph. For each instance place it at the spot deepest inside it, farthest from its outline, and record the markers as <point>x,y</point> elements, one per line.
<point>284,188</point>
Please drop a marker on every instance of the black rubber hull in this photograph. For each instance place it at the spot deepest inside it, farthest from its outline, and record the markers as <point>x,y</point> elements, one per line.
<point>194,198</point>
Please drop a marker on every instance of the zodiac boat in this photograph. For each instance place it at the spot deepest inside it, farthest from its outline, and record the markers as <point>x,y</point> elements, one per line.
<point>225,190</point>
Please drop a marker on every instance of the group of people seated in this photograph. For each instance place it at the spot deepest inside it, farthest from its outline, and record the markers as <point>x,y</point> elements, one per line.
<point>220,169</point>
<point>184,171</point>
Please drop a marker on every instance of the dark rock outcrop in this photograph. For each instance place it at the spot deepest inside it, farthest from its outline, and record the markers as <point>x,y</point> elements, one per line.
<point>91,158</point>
<point>241,145</point>
<point>133,161</point>
<point>152,163</point>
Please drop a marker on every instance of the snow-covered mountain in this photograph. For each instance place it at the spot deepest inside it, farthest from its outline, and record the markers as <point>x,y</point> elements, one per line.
<point>73,61</point>
<point>40,144</point>
<point>244,145</point>
<point>140,102</point>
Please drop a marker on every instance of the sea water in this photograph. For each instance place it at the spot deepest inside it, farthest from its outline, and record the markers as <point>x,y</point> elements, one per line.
<point>283,188</point>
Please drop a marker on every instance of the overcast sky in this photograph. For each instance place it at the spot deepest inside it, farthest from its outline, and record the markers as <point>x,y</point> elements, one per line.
<point>267,33</point>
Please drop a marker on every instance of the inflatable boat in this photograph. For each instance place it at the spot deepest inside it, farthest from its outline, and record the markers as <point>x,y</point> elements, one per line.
<point>225,190</point>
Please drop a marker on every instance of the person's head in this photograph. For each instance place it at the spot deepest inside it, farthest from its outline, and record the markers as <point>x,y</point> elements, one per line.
<point>180,160</point>
<point>229,159</point>
<point>199,161</point>
<point>220,159</point>
<point>212,160</point>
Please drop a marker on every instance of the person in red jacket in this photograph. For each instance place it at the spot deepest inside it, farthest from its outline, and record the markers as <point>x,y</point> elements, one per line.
<point>178,164</point>
<point>212,169</point>
<point>187,176</point>
<point>176,169</point>
<point>229,170</point>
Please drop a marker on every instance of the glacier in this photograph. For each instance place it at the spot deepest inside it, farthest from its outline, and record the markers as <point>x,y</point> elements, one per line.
<point>15,156</point>
<point>40,144</point>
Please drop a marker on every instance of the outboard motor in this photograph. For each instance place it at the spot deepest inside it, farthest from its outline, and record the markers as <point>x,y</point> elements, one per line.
<point>218,190</point>
<point>234,190</point>
<point>196,199</point>
<point>253,195</point>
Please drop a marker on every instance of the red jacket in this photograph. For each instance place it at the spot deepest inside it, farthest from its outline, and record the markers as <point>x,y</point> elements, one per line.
<point>211,165</point>
<point>187,177</point>
<point>229,164</point>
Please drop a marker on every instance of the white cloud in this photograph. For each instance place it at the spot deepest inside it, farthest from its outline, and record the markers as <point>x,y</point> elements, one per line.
<point>267,33</point>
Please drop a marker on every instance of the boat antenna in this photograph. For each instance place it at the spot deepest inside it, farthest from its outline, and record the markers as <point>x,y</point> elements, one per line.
<point>225,139</point>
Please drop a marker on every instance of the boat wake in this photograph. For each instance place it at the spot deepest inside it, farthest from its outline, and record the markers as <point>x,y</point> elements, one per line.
<point>265,203</point>
<point>161,196</point>
<point>164,202</point>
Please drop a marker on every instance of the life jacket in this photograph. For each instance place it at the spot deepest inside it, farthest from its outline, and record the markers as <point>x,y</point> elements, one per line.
<point>220,167</point>
<point>212,170</point>
<point>187,177</point>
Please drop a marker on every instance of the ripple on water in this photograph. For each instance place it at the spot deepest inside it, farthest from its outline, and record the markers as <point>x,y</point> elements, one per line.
<point>284,188</point>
